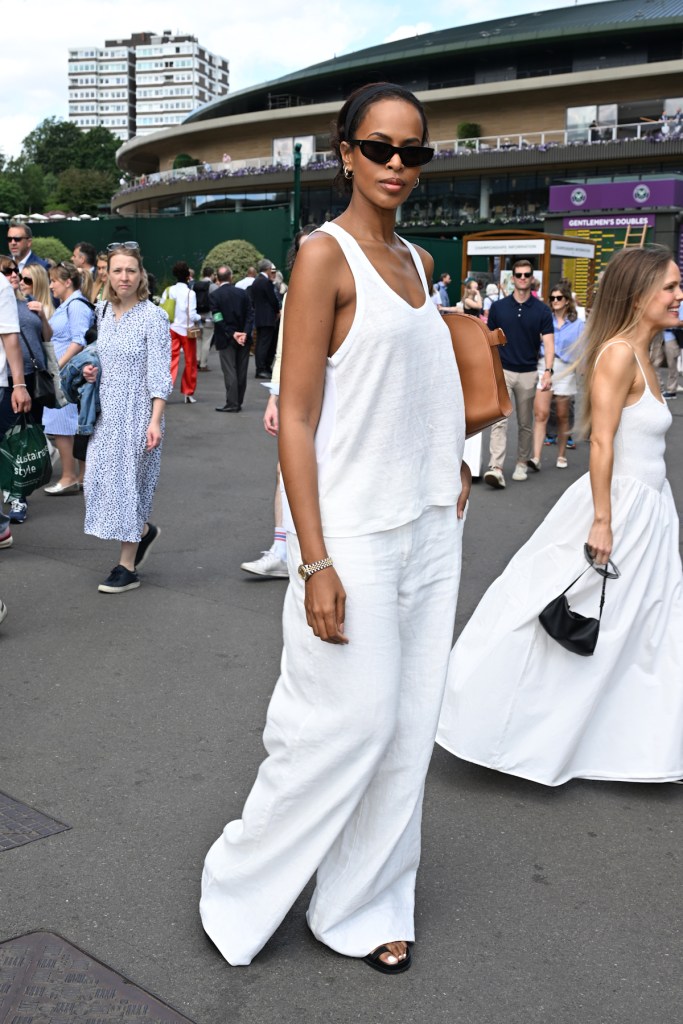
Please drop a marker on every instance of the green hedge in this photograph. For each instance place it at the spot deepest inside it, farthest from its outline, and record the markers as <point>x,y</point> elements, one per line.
<point>50,248</point>
<point>237,254</point>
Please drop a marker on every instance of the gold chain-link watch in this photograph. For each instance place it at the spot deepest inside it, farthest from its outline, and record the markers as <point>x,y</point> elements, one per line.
<point>306,571</point>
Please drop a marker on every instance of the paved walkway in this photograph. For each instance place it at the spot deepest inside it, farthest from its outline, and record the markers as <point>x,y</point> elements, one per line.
<point>137,721</point>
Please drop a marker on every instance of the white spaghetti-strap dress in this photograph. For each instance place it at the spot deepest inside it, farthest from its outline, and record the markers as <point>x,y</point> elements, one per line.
<point>518,702</point>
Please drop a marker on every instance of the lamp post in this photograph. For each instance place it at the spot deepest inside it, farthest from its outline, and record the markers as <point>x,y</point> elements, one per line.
<point>296,212</point>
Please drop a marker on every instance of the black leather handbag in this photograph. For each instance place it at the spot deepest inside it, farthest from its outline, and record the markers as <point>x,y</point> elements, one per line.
<point>43,381</point>
<point>577,633</point>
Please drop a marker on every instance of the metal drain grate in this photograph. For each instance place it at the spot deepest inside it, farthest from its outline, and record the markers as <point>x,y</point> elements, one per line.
<point>20,824</point>
<point>46,980</point>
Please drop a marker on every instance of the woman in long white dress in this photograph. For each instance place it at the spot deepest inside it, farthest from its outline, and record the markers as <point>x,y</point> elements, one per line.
<point>515,700</point>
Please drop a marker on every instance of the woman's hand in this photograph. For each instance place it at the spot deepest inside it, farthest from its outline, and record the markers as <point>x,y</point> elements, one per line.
<point>325,604</point>
<point>90,373</point>
<point>466,483</point>
<point>271,417</point>
<point>36,307</point>
<point>154,435</point>
<point>600,542</point>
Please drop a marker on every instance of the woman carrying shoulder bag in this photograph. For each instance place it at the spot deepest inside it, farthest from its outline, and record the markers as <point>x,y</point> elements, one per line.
<point>184,331</point>
<point>34,328</point>
<point>70,323</point>
<point>516,700</point>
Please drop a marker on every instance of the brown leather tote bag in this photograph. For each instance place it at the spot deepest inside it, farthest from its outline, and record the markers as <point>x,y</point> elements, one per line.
<point>481,371</point>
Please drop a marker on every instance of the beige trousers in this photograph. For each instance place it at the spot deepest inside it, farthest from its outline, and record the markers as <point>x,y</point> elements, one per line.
<point>521,389</point>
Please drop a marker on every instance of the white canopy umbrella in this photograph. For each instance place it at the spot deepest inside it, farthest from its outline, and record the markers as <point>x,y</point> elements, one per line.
<point>20,216</point>
<point>4,216</point>
<point>86,216</point>
<point>38,217</point>
<point>57,216</point>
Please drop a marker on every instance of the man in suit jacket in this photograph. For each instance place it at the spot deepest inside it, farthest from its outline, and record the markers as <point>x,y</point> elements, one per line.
<point>19,242</point>
<point>266,315</point>
<point>233,320</point>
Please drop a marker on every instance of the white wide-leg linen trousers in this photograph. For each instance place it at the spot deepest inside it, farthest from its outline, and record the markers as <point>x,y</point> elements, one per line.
<point>349,735</point>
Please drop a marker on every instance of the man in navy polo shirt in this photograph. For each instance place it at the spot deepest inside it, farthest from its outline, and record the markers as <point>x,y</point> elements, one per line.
<point>527,322</point>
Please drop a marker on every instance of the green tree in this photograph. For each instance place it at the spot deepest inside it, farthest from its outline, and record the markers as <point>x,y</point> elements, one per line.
<point>50,183</point>
<point>58,146</point>
<point>98,150</point>
<point>33,186</point>
<point>11,195</point>
<point>185,160</point>
<point>236,254</point>
<point>55,145</point>
<point>85,191</point>
<point>469,130</point>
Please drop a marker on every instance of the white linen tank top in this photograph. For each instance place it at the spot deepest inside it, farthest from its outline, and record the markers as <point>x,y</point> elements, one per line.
<point>391,433</point>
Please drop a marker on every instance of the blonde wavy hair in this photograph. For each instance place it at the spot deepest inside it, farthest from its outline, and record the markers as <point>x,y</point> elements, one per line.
<point>631,277</point>
<point>40,289</point>
<point>109,293</point>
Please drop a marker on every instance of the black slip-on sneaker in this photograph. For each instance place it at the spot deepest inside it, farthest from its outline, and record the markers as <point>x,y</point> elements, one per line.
<point>145,544</point>
<point>118,580</point>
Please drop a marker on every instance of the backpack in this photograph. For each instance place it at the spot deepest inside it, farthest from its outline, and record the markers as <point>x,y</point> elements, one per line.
<point>98,312</point>
<point>201,290</point>
<point>91,334</point>
<point>167,303</point>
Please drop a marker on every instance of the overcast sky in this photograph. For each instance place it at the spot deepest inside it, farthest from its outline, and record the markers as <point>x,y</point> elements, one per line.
<point>260,42</point>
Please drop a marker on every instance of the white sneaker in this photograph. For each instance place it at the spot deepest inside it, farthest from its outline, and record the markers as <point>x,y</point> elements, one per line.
<point>520,472</point>
<point>494,477</point>
<point>267,565</point>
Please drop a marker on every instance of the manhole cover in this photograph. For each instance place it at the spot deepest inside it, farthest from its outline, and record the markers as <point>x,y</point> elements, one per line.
<point>20,824</point>
<point>46,980</point>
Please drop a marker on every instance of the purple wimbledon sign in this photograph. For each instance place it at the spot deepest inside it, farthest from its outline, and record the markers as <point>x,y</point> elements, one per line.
<point>617,220</point>
<point>616,195</point>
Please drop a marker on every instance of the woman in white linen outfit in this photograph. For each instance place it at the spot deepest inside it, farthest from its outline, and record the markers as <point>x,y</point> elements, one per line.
<point>518,702</point>
<point>371,440</point>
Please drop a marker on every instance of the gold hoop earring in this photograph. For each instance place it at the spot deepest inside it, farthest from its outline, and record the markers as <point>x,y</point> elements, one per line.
<point>417,182</point>
<point>348,174</point>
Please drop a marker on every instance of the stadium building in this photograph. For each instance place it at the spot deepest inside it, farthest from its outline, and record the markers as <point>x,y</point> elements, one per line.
<point>527,113</point>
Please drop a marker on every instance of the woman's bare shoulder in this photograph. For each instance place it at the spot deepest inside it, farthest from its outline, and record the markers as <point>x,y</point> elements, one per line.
<point>319,246</point>
<point>320,265</point>
<point>427,259</point>
<point>616,353</point>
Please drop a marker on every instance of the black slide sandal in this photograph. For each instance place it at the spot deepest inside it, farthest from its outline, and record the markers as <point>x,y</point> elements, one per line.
<point>373,960</point>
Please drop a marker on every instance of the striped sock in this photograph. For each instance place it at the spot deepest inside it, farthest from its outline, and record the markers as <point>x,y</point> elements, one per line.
<point>280,544</point>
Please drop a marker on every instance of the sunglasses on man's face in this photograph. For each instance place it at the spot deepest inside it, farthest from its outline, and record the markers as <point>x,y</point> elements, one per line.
<point>382,152</point>
<point>8,271</point>
<point>16,238</point>
<point>522,274</point>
